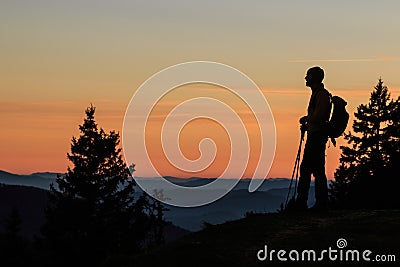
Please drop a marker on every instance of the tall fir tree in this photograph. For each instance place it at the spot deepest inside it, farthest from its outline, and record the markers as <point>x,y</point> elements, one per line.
<point>364,177</point>
<point>93,212</point>
<point>13,224</point>
<point>14,247</point>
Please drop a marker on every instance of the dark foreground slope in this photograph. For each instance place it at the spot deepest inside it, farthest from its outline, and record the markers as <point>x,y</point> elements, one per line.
<point>236,243</point>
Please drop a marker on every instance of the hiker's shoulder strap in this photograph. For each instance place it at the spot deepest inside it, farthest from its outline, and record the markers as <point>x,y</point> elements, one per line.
<point>333,140</point>
<point>314,96</point>
<point>326,90</point>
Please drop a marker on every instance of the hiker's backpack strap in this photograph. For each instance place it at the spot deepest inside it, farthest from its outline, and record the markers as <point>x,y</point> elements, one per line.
<point>330,95</point>
<point>333,140</point>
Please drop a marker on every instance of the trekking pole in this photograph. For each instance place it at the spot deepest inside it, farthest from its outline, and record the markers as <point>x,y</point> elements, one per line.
<point>298,162</point>
<point>295,170</point>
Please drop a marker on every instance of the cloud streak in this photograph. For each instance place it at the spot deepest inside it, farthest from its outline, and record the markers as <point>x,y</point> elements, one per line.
<point>378,59</point>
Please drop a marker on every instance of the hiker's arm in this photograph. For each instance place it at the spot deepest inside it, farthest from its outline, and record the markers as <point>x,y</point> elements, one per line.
<point>322,107</point>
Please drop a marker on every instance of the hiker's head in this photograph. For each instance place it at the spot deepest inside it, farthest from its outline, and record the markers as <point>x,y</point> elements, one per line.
<point>314,76</point>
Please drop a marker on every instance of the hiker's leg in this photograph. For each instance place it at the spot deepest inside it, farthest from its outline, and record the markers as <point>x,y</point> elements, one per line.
<point>305,174</point>
<point>321,187</point>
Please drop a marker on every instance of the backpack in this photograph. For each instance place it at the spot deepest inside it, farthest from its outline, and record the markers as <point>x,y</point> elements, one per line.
<point>339,118</point>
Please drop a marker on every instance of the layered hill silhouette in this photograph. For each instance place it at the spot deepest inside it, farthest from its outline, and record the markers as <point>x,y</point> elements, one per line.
<point>40,179</point>
<point>237,242</point>
<point>232,206</point>
<point>31,202</point>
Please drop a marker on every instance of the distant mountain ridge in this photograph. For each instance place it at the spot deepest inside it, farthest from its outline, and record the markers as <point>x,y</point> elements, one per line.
<point>50,175</point>
<point>39,180</point>
<point>232,206</point>
<point>44,179</point>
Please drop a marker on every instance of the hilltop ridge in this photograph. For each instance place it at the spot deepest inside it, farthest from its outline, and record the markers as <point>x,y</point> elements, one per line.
<point>237,242</point>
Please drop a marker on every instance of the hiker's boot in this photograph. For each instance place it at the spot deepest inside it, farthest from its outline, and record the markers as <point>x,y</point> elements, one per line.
<point>319,207</point>
<point>300,205</point>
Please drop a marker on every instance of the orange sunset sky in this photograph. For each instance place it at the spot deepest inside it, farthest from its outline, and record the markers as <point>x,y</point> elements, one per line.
<point>58,57</point>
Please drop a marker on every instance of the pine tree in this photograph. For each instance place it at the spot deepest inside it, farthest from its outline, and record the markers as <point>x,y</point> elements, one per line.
<point>13,224</point>
<point>362,178</point>
<point>392,146</point>
<point>156,213</point>
<point>94,213</point>
<point>15,248</point>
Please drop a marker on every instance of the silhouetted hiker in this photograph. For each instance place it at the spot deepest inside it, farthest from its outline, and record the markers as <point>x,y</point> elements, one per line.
<point>315,123</point>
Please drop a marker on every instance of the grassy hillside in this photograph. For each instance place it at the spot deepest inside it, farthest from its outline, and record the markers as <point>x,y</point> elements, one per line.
<point>236,243</point>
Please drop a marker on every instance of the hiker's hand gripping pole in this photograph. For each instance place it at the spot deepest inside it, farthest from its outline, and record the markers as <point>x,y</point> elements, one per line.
<point>303,126</point>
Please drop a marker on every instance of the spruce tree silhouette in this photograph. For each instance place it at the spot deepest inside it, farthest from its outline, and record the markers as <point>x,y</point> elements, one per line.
<point>15,249</point>
<point>13,224</point>
<point>365,177</point>
<point>93,213</point>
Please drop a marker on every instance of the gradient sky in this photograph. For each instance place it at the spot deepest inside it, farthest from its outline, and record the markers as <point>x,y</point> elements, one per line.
<point>57,57</point>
